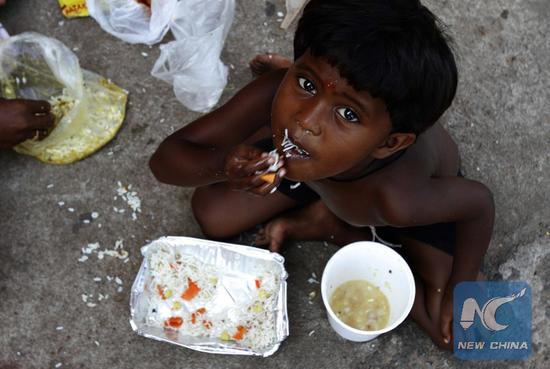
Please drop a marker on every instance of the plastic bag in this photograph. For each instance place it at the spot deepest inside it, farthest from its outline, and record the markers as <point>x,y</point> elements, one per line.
<point>192,62</point>
<point>133,21</point>
<point>293,8</point>
<point>89,109</point>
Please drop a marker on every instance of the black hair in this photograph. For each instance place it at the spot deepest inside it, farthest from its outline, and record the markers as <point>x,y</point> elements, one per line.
<point>397,50</point>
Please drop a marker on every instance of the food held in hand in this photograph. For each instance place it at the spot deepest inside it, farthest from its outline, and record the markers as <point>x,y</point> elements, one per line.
<point>268,177</point>
<point>361,305</point>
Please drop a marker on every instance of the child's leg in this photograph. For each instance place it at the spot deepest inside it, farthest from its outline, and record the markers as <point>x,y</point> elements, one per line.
<point>312,222</point>
<point>222,212</point>
<point>432,269</point>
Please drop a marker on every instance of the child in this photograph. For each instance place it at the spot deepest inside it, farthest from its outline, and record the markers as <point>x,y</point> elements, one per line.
<point>353,122</point>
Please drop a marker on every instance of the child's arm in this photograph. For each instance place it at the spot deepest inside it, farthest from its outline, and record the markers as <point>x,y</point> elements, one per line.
<point>195,155</point>
<point>465,202</point>
<point>470,205</point>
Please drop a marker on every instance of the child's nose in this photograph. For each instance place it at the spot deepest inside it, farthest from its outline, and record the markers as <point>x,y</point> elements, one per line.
<point>309,118</point>
<point>308,129</point>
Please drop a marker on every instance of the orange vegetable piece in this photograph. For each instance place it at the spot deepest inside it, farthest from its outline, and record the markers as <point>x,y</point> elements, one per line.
<point>258,283</point>
<point>193,318</point>
<point>240,333</point>
<point>207,324</point>
<point>201,311</point>
<point>174,322</point>
<point>268,177</point>
<point>191,291</point>
<point>161,292</point>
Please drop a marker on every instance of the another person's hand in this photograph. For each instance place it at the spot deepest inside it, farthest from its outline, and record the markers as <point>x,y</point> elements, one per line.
<point>245,166</point>
<point>21,120</point>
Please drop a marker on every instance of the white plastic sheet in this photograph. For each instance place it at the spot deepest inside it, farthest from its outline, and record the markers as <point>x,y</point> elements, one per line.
<point>132,21</point>
<point>192,62</point>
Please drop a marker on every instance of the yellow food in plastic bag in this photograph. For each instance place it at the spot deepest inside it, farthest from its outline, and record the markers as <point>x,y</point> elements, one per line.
<point>89,109</point>
<point>95,124</point>
<point>73,8</point>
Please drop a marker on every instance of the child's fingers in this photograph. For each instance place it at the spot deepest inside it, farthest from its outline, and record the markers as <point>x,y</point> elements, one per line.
<point>246,168</point>
<point>269,187</point>
<point>246,183</point>
<point>259,165</point>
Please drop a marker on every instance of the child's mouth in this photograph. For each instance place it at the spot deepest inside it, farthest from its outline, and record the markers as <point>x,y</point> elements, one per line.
<point>291,149</point>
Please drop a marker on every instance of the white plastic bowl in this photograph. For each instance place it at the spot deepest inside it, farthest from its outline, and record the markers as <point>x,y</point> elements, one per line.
<point>379,265</point>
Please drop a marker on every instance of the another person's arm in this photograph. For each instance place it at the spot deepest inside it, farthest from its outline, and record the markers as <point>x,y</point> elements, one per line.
<point>21,120</point>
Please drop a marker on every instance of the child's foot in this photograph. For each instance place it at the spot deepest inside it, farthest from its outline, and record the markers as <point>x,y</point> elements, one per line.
<point>264,63</point>
<point>314,222</point>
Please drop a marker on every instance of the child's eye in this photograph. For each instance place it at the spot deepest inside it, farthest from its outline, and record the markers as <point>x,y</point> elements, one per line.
<point>348,114</point>
<point>307,85</point>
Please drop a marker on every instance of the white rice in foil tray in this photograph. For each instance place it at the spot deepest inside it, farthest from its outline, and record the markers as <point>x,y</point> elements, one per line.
<point>211,296</point>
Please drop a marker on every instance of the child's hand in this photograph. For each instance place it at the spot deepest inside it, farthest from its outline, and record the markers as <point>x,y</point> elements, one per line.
<point>246,165</point>
<point>21,120</point>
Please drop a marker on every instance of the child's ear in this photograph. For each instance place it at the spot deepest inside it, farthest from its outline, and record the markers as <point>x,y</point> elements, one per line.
<point>393,143</point>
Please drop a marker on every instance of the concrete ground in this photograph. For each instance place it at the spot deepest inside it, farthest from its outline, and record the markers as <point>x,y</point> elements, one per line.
<point>500,118</point>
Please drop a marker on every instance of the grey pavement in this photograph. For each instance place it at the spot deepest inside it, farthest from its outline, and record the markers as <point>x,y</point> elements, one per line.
<point>500,119</point>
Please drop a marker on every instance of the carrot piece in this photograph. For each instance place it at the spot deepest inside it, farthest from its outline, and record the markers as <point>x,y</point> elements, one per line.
<point>201,311</point>
<point>174,322</point>
<point>258,283</point>
<point>207,324</point>
<point>193,318</point>
<point>268,177</point>
<point>240,333</point>
<point>161,292</point>
<point>191,291</point>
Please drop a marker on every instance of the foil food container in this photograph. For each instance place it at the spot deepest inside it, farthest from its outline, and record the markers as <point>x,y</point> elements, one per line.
<point>235,266</point>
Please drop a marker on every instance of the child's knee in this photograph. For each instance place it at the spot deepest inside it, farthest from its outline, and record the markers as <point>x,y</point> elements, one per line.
<point>204,212</point>
<point>209,214</point>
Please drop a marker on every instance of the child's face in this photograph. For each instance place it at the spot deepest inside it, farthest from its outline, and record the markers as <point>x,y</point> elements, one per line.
<point>336,128</point>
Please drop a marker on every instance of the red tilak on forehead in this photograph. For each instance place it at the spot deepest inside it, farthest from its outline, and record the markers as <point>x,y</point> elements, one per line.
<point>330,85</point>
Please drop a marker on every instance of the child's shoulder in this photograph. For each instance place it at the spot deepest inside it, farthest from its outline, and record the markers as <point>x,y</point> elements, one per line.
<point>401,182</point>
<point>433,155</point>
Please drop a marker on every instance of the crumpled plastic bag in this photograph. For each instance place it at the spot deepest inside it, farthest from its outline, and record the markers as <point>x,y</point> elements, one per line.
<point>89,109</point>
<point>293,9</point>
<point>192,62</point>
<point>133,21</point>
